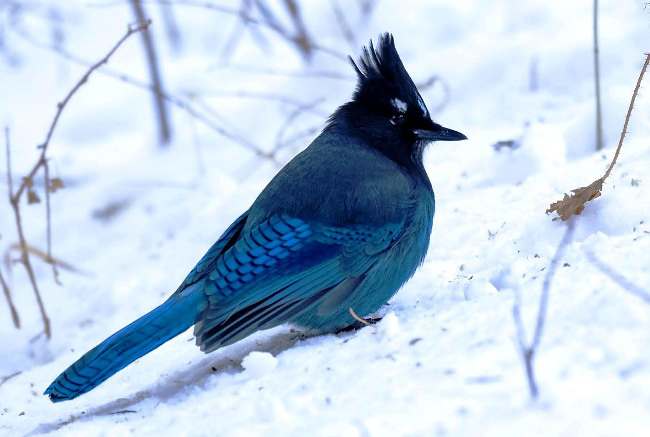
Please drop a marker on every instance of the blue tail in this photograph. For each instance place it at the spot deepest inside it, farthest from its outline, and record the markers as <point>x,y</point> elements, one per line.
<point>119,350</point>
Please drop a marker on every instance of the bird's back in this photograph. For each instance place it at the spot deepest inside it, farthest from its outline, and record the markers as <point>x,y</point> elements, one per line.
<point>340,181</point>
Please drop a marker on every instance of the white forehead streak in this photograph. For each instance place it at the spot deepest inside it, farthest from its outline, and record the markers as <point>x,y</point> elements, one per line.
<point>424,108</point>
<point>400,105</point>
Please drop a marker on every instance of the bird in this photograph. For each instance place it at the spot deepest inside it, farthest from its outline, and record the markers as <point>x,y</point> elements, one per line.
<point>337,232</point>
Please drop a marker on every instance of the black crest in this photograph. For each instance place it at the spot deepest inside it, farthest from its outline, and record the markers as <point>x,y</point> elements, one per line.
<point>381,74</point>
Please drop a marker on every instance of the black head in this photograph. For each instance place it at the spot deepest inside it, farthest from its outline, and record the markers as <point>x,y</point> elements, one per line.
<point>387,108</point>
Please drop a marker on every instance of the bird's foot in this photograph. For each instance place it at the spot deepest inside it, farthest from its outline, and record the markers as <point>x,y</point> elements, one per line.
<point>358,324</point>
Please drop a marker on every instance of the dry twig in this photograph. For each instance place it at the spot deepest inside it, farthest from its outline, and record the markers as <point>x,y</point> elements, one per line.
<point>574,204</point>
<point>171,27</point>
<point>181,103</point>
<point>528,350</point>
<point>231,134</point>
<point>154,74</point>
<point>238,32</point>
<point>299,136</point>
<point>299,38</point>
<point>293,115</point>
<point>599,117</point>
<point>14,200</point>
<point>10,302</point>
<point>27,181</point>
<point>344,26</point>
<point>48,258</point>
<point>289,73</point>
<point>279,98</point>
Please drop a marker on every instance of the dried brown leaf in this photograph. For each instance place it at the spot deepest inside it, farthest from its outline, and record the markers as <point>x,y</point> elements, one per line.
<point>55,184</point>
<point>575,203</point>
<point>32,197</point>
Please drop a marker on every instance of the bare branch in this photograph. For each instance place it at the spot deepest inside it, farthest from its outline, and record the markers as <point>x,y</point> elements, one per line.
<point>344,26</point>
<point>280,98</point>
<point>73,91</point>
<point>48,220</point>
<point>528,350</point>
<point>10,302</point>
<point>305,133</point>
<point>599,116</point>
<point>306,107</point>
<point>154,74</point>
<point>171,27</point>
<point>179,102</point>
<point>628,115</point>
<point>43,255</point>
<point>300,39</point>
<point>238,32</point>
<point>14,198</point>
<point>288,73</point>
<point>235,136</point>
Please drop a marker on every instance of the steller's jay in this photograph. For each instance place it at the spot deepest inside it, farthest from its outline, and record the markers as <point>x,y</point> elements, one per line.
<point>342,226</point>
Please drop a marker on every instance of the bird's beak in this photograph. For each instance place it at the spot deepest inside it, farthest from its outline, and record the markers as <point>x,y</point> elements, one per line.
<point>435,132</point>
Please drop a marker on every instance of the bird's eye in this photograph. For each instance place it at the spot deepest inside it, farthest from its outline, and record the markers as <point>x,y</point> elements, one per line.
<point>398,119</point>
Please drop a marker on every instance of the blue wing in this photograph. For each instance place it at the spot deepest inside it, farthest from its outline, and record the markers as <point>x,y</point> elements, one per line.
<point>281,268</point>
<point>227,239</point>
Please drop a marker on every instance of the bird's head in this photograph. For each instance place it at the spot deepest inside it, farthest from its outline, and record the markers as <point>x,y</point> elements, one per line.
<point>387,108</point>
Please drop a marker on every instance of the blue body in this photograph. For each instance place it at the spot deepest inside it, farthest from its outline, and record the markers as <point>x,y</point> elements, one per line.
<point>342,226</point>
<point>288,261</point>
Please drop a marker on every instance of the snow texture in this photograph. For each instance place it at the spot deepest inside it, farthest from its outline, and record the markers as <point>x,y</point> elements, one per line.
<point>133,219</point>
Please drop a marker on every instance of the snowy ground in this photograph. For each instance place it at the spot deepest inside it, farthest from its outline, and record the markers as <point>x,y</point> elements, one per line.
<point>444,359</point>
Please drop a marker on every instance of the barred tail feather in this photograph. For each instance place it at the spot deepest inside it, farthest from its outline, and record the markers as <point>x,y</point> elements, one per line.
<point>119,350</point>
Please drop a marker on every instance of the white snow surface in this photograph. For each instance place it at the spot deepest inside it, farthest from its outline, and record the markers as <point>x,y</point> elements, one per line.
<point>444,359</point>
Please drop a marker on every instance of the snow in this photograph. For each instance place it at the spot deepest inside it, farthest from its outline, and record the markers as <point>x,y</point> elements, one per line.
<point>257,363</point>
<point>444,359</point>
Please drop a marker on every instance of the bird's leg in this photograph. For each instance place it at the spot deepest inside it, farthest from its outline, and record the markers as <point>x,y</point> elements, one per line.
<point>359,322</point>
